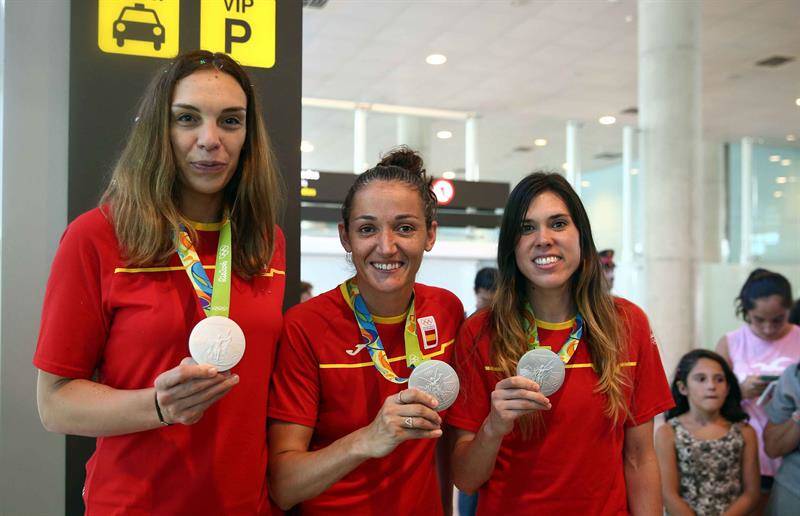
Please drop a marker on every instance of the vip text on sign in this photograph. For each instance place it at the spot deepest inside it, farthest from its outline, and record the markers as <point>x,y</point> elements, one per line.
<point>243,29</point>
<point>139,28</point>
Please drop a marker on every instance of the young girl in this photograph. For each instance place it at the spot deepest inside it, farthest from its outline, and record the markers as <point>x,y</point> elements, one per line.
<point>707,452</point>
<point>760,350</point>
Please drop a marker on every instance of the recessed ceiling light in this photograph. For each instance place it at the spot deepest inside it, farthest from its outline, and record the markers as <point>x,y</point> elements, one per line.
<point>780,180</point>
<point>775,158</point>
<point>777,194</point>
<point>565,165</point>
<point>586,184</point>
<point>634,171</point>
<point>444,135</point>
<point>628,18</point>
<point>607,120</point>
<point>797,101</point>
<point>306,146</point>
<point>540,142</point>
<point>449,174</point>
<point>436,59</point>
<point>790,137</point>
<point>786,162</point>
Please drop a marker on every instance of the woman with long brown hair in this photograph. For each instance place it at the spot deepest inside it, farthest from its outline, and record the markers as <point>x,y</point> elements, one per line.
<point>193,199</point>
<point>587,448</point>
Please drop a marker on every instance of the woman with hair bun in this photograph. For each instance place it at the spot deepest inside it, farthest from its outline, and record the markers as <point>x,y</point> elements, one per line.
<point>193,198</point>
<point>587,447</point>
<point>346,435</point>
<point>760,350</point>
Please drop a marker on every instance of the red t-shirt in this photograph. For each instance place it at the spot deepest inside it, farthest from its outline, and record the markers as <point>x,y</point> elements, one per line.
<point>128,325</point>
<point>574,465</point>
<point>318,384</point>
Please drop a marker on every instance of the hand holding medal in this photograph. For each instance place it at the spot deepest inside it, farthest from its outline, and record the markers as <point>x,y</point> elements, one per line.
<point>433,384</point>
<point>216,343</point>
<point>185,392</point>
<point>409,414</point>
<point>540,373</point>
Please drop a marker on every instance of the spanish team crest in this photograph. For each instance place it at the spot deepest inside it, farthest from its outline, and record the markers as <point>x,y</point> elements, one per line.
<point>430,334</point>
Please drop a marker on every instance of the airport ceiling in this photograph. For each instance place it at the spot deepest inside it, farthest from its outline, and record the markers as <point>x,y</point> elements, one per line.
<point>528,66</point>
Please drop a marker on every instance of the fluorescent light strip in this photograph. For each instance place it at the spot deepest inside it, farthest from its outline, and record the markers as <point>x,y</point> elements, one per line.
<point>394,109</point>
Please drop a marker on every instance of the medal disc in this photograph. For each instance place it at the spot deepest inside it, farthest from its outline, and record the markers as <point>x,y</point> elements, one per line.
<point>217,341</point>
<point>438,379</point>
<point>543,367</point>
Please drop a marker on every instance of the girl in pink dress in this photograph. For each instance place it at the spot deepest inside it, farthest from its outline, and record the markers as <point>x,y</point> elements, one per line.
<point>761,349</point>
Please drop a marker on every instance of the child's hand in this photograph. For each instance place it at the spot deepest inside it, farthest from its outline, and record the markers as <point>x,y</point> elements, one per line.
<point>752,387</point>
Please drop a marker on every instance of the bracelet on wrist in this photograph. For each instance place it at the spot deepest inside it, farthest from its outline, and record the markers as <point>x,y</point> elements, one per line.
<point>160,415</point>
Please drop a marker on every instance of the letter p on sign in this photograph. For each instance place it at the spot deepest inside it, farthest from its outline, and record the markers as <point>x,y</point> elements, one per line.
<point>243,29</point>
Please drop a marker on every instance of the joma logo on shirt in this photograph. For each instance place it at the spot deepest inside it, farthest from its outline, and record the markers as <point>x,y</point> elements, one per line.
<point>354,352</point>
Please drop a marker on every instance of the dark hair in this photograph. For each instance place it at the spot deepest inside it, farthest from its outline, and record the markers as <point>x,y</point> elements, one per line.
<point>402,165</point>
<point>305,287</point>
<point>794,313</point>
<point>731,409</point>
<point>486,278</point>
<point>604,328</point>
<point>762,283</point>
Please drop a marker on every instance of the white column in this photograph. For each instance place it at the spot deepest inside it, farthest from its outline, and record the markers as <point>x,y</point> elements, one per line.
<point>669,118</point>
<point>573,156</point>
<point>34,145</point>
<point>746,201</point>
<point>627,194</point>
<point>359,140</point>
<point>471,166</point>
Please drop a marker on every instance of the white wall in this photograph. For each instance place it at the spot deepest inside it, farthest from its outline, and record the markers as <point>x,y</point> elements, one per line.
<point>35,99</point>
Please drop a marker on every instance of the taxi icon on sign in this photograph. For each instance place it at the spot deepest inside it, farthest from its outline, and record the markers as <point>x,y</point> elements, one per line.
<point>138,23</point>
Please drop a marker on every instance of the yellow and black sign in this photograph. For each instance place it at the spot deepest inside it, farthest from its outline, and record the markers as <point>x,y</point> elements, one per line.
<point>243,29</point>
<point>139,27</point>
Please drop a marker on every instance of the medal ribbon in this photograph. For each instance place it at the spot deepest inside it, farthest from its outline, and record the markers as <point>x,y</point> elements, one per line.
<point>569,347</point>
<point>373,341</point>
<point>214,299</point>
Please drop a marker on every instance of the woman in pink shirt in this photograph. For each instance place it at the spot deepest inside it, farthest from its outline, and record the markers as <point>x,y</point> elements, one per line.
<point>761,349</point>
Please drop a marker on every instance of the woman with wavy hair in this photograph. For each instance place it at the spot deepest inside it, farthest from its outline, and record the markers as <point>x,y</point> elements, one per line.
<point>588,447</point>
<point>193,199</point>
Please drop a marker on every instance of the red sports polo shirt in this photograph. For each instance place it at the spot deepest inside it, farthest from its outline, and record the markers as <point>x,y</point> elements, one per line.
<point>127,325</point>
<point>574,465</point>
<point>323,379</point>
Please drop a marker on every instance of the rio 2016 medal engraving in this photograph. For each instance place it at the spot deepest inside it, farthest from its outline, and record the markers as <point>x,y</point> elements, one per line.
<point>438,379</point>
<point>217,341</point>
<point>543,367</point>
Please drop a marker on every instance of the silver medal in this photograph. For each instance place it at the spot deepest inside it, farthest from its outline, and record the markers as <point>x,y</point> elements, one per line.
<point>543,367</point>
<point>438,379</point>
<point>217,341</point>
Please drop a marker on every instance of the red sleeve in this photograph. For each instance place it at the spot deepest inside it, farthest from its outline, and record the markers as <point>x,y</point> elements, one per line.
<point>472,405</point>
<point>294,394</point>
<point>75,323</point>
<point>651,393</point>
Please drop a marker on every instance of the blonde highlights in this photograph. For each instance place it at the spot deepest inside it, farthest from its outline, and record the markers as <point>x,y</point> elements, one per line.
<point>143,194</point>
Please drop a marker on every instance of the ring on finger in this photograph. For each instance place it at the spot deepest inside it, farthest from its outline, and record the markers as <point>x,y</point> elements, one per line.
<point>409,422</point>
